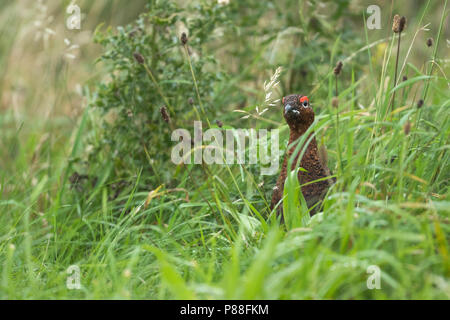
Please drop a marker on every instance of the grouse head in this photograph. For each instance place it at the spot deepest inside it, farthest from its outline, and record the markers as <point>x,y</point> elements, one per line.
<point>297,112</point>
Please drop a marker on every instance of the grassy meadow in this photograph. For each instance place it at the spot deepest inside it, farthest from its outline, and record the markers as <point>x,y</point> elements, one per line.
<point>86,178</point>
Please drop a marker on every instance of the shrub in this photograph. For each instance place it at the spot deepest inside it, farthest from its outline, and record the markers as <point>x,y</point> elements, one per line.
<point>133,133</point>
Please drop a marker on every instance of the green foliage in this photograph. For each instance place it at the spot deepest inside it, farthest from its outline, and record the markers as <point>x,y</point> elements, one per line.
<point>137,134</point>
<point>140,227</point>
<point>133,132</point>
<point>295,211</point>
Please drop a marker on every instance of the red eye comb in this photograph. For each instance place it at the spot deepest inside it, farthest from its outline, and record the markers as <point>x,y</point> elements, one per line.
<point>303,99</point>
<point>282,100</point>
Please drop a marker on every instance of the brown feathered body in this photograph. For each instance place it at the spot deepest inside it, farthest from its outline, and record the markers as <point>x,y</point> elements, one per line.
<point>299,116</point>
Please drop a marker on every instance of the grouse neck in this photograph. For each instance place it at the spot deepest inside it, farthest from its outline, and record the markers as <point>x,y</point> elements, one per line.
<point>296,132</point>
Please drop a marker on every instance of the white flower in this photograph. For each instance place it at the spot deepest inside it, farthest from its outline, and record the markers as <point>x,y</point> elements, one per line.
<point>268,87</point>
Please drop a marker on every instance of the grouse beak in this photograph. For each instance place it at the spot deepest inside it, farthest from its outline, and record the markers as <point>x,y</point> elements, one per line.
<point>288,108</point>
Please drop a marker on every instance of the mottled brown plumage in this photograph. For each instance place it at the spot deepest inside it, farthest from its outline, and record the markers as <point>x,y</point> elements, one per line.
<point>299,116</point>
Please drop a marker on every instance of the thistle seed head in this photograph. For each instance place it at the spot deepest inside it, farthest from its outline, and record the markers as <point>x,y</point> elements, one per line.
<point>184,38</point>
<point>420,104</point>
<point>164,114</point>
<point>337,70</point>
<point>139,57</point>
<point>396,24</point>
<point>402,23</point>
<point>399,23</point>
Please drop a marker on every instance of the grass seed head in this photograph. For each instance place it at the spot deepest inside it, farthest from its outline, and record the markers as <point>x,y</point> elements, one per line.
<point>139,57</point>
<point>184,38</point>
<point>402,23</point>
<point>337,70</point>
<point>164,114</point>
<point>399,23</point>
<point>419,104</point>
<point>396,24</point>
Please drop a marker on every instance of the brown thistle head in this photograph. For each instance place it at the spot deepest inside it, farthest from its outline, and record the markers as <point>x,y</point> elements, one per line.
<point>420,104</point>
<point>337,70</point>
<point>297,112</point>
<point>399,23</point>
<point>139,57</point>
<point>165,114</point>
<point>184,38</point>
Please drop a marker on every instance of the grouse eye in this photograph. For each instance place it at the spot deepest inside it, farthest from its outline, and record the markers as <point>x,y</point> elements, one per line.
<point>304,101</point>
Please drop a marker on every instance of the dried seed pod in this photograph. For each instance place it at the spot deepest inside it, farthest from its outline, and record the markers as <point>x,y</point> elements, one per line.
<point>338,68</point>
<point>429,42</point>
<point>419,104</point>
<point>335,102</point>
<point>139,57</point>
<point>184,38</point>
<point>405,78</point>
<point>164,114</point>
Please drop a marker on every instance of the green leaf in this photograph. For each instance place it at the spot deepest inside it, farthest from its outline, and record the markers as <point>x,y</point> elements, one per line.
<point>295,210</point>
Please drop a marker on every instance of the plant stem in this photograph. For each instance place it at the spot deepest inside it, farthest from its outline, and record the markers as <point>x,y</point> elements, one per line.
<point>395,74</point>
<point>337,129</point>
<point>158,88</point>
<point>336,85</point>
<point>195,84</point>
<point>427,83</point>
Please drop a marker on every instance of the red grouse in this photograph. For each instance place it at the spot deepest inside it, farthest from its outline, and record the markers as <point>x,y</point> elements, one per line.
<point>299,116</point>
